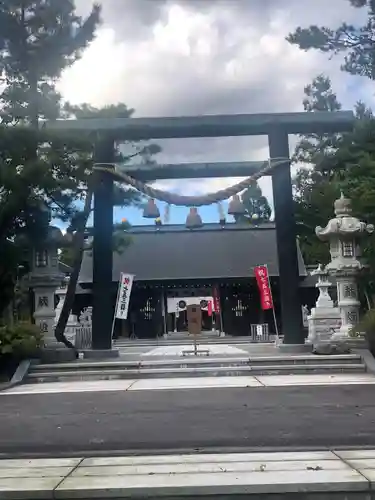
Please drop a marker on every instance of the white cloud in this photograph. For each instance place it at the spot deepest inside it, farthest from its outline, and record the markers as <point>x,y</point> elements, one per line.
<point>204,57</point>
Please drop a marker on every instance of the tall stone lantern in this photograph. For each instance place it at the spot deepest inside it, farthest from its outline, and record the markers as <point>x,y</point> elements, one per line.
<point>44,278</point>
<point>344,233</point>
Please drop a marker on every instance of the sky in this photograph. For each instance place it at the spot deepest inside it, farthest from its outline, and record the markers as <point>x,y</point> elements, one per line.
<point>192,57</point>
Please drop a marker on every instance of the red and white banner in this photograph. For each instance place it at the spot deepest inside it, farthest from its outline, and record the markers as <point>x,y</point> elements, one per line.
<point>123,295</point>
<point>263,281</point>
<point>216,296</point>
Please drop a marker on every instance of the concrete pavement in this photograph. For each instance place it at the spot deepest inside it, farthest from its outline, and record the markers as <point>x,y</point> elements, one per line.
<point>241,418</point>
<point>160,384</point>
<point>319,475</point>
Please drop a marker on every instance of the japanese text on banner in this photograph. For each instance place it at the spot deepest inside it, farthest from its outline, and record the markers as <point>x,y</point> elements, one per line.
<point>216,297</point>
<point>123,295</point>
<point>261,276</point>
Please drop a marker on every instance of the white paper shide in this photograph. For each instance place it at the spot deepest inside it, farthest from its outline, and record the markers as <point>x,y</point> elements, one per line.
<point>123,295</point>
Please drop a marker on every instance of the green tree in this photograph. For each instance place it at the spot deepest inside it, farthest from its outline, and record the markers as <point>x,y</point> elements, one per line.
<point>256,205</point>
<point>314,191</point>
<point>38,39</point>
<point>341,162</point>
<point>355,43</point>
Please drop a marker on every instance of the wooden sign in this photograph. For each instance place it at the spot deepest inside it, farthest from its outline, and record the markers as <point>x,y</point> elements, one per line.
<point>194,319</point>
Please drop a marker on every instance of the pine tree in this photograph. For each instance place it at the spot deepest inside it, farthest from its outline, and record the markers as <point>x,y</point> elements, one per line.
<point>355,43</point>
<point>38,40</point>
<point>333,163</point>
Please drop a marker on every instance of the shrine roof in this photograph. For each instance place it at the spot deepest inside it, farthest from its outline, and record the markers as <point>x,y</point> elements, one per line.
<point>173,252</point>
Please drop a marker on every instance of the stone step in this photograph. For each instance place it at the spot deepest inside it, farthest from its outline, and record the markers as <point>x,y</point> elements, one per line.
<point>188,340</point>
<point>208,371</point>
<point>344,359</point>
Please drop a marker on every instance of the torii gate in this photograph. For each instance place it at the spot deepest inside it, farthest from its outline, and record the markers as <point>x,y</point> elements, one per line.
<point>277,126</point>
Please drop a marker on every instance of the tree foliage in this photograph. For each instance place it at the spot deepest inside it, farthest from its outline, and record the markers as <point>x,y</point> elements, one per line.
<point>355,43</point>
<point>38,40</point>
<point>256,205</point>
<point>340,162</point>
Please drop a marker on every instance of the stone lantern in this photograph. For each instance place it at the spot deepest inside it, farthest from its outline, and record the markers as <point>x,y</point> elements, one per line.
<point>44,279</point>
<point>343,234</point>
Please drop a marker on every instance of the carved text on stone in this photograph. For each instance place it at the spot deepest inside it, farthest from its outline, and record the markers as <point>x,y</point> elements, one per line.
<point>43,301</point>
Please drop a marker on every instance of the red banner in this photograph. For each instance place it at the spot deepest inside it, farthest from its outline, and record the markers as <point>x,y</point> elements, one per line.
<point>261,275</point>
<point>216,296</point>
<point>209,308</point>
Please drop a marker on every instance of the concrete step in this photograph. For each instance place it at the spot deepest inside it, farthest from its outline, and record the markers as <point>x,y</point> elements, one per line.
<point>178,372</point>
<point>199,362</point>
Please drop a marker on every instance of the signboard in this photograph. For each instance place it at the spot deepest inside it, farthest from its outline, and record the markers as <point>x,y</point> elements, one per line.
<point>262,278</point>
<point>123,295</point>
<point>194,319</point>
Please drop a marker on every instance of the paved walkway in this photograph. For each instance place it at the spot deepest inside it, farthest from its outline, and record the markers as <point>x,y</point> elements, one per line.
<point>344,472</point>
<point>179,420</point>
<point>164,349</point>
<point>192,383</point>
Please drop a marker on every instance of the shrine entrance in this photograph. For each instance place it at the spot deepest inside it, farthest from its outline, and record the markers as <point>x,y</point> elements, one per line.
<point>177,312</point>
<point>146,314</point>
<point>277,126</point>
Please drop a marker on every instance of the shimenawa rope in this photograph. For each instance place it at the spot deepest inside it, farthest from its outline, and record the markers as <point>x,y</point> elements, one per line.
<point>190,201</point>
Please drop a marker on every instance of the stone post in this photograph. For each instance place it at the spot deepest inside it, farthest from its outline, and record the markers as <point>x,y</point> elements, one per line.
<point>324,318</point>
<point>343,234</point>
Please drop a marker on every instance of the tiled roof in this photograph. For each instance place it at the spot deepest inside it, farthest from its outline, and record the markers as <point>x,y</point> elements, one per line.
<point>176,253</point>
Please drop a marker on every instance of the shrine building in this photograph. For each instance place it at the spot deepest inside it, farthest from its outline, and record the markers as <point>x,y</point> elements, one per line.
<point>175,266</point>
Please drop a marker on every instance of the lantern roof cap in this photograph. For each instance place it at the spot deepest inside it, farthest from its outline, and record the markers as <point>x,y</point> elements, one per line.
<point>343,206</point>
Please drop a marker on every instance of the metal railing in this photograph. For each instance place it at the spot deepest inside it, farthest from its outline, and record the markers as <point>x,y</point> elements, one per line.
<point>83,338</point>
<point>260,333</point>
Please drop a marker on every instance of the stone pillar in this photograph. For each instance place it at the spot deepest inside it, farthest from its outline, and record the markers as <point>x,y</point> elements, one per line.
<point>347,294</point>
<point>44,314</point>
<point>291,317</point>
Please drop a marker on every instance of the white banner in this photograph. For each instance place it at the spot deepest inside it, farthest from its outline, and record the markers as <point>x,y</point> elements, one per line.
<point>123,295</point>
<point>177,304</point>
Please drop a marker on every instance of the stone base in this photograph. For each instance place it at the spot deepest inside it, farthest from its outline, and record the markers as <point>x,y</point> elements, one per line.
<point>294,348</point>
<point>328,348</point>
<point>57,355</point>
<point>357,343</point>
<point>101,353</point>
<point>323,323</point>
